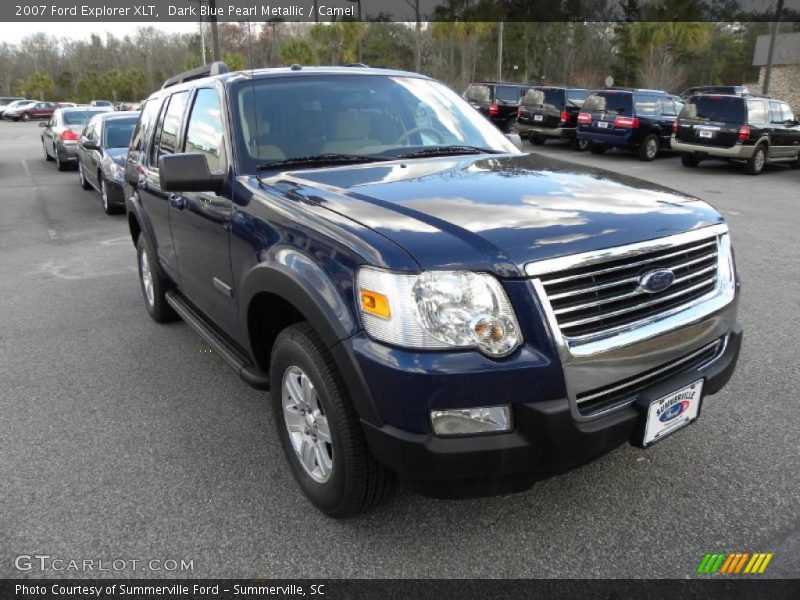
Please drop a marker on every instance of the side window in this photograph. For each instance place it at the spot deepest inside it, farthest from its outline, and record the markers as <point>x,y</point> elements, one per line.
<point>171,127</point>
<point>98,131</point>
<point>144,125</point>
<point>647,105</point>
<point>205,132</point>
<point>786,112</point>
<point>756,112</point>
<point>668,107</point>
<point>88,132</point>
<point>775,115</point>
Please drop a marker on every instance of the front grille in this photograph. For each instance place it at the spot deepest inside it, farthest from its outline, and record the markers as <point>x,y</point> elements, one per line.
<point>606,296</point>
<point>624,392</point>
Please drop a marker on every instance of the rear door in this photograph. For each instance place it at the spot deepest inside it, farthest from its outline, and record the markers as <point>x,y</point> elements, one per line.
<point>201,221</point>
<point>712,120</point>
<point>507,98</point>
<point>479,96</point>
<point>792,129</point>
<point>604,107</point>
<point>542,106</point>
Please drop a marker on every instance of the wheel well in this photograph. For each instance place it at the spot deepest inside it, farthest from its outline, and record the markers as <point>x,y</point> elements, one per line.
<point>268,315</point>
<point>133,225</point>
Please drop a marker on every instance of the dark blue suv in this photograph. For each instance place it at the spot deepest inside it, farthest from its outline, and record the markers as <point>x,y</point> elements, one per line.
<point>636,120</point>
<point>423,301</point>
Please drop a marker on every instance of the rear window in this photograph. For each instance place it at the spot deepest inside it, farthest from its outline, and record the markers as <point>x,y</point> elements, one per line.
<point>506,93</point>
<point>550,97</point>
<point>577,97</point>
<point>611,102</point>
<point>117,133</point>
<point>478,93</point>
<point>715,108</point>
<point>77,117</point>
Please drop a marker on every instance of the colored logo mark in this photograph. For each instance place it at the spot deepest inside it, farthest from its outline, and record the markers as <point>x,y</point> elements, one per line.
<point>674,411</point>
<point>734,563</point>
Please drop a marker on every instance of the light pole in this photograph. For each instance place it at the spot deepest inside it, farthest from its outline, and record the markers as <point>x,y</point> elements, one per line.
<point>771,53</point>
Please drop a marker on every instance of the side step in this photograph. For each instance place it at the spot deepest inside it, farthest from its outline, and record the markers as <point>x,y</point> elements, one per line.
<point>249,372</point>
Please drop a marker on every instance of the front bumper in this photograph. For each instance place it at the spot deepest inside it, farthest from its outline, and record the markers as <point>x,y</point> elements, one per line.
<point>116,193</point>
<point>737,151</point>
<point>564,133</point>
<point>546,438</point>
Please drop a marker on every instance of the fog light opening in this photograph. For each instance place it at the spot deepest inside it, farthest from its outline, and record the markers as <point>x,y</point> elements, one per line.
<point>471,421</point>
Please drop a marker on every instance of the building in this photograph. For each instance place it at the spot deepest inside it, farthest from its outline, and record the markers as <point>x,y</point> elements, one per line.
<point>785,80</point>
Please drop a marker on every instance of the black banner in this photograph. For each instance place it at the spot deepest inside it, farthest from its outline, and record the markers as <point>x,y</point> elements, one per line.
<point>416,589</point>
<point>397,10</point>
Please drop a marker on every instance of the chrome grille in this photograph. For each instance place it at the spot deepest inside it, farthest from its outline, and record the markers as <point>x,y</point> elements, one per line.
<point>587,300</point>
<point>625,392</point>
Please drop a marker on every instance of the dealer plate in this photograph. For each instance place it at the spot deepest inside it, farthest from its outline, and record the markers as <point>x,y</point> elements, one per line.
<point>673,411</point>
<point>704,133</point>
<point>603,124</point>
<point>538,117</point>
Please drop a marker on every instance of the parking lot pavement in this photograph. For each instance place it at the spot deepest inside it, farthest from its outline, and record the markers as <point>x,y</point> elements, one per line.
<point>123,439</point>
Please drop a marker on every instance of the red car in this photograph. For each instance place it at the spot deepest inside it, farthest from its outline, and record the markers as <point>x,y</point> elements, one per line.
<point>33,110</point>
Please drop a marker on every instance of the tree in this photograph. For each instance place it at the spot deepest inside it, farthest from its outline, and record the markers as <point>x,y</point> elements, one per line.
<point>296,50</point>
<point>37,85</point>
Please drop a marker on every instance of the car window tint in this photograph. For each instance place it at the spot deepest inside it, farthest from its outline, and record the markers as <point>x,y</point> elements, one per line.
<point>668,107</point>
<point>548,97</point>
<point>205,131</point>
<point>756,112</point>
<point>506,93</point>
<point>775,115</point>
<point>786,112</point>
<point>73,117</point>
<point>715,108</point>
<point>478,93</point>
<point>647,104</point>
<point>117,133</point>
<point>610,102</point>
<point>168,142</point>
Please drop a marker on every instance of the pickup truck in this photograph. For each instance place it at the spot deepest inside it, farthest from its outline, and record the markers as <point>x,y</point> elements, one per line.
<point>424,302</point>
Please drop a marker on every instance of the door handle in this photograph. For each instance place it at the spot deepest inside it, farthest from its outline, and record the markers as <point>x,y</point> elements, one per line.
<point>177,201</point>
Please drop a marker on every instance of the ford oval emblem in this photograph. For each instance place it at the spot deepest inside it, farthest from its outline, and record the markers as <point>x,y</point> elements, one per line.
<point>656,281</point>
<point>674,411</point>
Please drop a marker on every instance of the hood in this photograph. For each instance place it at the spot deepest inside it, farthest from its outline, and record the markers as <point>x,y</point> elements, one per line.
<point>117,155</point>
<point>497,213</point>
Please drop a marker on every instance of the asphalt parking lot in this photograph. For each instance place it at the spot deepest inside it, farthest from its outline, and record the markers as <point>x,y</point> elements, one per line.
<point>123,439</point>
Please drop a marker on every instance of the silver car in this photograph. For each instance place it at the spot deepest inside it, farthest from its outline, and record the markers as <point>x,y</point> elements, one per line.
<point>62,131</point>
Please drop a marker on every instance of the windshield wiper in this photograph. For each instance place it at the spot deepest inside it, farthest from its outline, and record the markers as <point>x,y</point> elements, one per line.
<point>320,160</point>
<point>448,150</point>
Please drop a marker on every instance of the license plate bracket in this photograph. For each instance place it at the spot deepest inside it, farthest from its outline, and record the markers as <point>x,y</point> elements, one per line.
<point>671,412</point>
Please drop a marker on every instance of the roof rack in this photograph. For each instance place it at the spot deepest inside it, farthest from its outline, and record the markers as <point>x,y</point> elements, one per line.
<point>215,68</point>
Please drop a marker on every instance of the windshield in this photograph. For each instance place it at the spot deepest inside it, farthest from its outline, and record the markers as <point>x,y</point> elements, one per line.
<point>370,115</point>
<point>77,117</point>
<point>117,133</point>
<point>725,109</point>
<point>609,102</point>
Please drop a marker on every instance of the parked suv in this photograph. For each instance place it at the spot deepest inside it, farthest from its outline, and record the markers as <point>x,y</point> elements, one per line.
<point>422,300</point>
<point>636,120</point>
<point>550,112</point>
<point>497,101</point>
<point>748,129</point>
<point>735,90</point>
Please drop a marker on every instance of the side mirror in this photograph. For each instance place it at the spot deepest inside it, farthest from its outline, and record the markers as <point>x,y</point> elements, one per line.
<point>187,173</point>
<point>515,139</point>
<point>88,144</point>
<point>42,123</point>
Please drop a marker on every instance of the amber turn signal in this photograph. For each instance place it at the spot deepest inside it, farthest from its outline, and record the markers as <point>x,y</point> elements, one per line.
<point>376,304</point>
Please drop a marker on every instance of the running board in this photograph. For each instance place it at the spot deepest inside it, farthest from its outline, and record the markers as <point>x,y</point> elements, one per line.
<point>250,373</point>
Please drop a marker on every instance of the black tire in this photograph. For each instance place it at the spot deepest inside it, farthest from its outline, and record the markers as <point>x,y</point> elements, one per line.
<point>537,140</point>
<point>47,156</point>
<point>59,164</point>
<point>26,116</point>
<point>648,149</point>
<point>82,177</point>
<point>690,160</point>
<point>755,164</point>
<point>109,208</point>
<point>356,482</point>
<point>579,145</point>
<point>595,149</point>
<point>159,310</point>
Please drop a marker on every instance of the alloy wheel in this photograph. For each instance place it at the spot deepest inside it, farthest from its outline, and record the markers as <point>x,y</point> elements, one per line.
<point>147,278</point>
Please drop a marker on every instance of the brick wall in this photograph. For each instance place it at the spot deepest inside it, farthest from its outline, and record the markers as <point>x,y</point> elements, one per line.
<point>785,84</point>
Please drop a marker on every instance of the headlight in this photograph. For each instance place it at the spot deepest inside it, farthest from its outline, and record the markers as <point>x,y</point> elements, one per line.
<point>116,171</point>
<point>438,309</point>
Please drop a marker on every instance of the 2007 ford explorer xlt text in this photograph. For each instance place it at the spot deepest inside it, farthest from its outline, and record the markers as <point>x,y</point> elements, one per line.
<point>424,301</point>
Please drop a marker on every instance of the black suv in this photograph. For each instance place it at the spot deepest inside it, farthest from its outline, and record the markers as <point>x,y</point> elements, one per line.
<point>423,300</point>
<point>497,101</point>
<point>637,120</point>
<point>550,112</point>
<point>752,130</point>
<point>734,90</point>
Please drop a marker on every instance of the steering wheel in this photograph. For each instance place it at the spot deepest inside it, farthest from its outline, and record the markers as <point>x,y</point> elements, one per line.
<point>410,132</point>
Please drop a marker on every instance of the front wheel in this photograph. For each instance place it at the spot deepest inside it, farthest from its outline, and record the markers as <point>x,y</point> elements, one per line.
<point>319,429</point>
<point>107,206</point>
<point>648,150</point>
<point>154,284</point>
<point>755,164</point>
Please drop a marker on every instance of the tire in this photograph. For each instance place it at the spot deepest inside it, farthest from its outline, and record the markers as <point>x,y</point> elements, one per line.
<point>510,126</point>
<point>690,160</point>
<point>648,149</point>
<point>580,145</point>
<point>755,164</point>
<point>339,475</point>
<point>59,165</point>
<point>47,156</point>
<point>107,207</point>
<point>154,299</point>
<point>537,140</point>
<point>82,178</point>
<point>595,149</point>
<point>26,117</point>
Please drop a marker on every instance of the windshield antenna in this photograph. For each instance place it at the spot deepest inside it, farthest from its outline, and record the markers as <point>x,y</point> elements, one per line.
<point>253,94</point>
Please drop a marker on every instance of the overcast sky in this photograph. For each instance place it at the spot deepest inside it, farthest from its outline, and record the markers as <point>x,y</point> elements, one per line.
<point>15,32</point>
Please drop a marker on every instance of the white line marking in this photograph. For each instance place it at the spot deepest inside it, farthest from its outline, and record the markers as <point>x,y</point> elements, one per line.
<point>26,169</point>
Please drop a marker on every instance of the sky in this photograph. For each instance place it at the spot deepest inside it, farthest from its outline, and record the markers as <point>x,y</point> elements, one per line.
<point>15,32</point>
